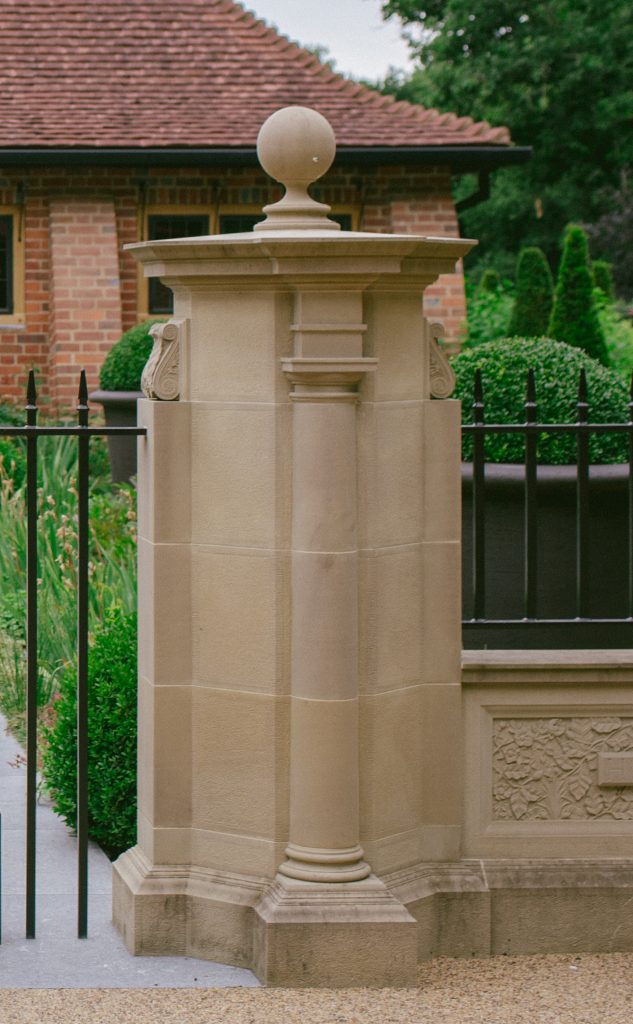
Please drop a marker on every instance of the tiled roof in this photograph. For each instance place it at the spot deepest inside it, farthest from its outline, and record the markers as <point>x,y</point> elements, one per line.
<point>183,73</point>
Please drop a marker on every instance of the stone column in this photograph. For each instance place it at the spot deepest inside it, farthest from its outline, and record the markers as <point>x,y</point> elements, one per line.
<point>324,793</point>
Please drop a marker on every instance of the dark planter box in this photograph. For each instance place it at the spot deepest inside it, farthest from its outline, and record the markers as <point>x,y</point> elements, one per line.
<point>556,545</point>
<point>119,409</point>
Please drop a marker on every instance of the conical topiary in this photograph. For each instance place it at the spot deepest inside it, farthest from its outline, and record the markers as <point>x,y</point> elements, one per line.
<point>603,278</point>
<point>534,290</point>
<point>490,281</point>
<point>574,317</point>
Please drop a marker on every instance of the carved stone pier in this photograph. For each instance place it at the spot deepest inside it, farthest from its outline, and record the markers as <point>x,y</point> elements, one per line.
<point>299,593</point>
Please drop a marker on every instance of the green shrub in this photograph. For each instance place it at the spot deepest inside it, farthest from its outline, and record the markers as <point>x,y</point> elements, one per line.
<point>618,333</point>
<point>124,363</point>
<point>504,366</point>
<point>111,739</point>
<point>112,569</point>
<point>603,278</point>
<point>13,450</point>
<point>488,313</point>
<point>574,316</point>
<point>534,291</point>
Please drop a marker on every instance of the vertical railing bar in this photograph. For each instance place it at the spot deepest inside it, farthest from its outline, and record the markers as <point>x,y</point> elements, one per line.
<point>530,520</point>
<point>582,497</point>
<point>479,524</point>
<point>31,655</point>
<point>82,661</point>
<point>630,489</point>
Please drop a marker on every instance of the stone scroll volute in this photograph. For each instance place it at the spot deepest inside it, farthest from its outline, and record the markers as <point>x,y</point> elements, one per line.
<point>161,376</point>
<point>442,376</point>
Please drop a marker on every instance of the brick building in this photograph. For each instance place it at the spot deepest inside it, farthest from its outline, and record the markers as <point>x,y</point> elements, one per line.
<point>130,119</point>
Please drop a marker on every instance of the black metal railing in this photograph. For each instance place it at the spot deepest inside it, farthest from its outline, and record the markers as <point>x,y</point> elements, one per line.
<point>526,609</point>
<point>31,431</point>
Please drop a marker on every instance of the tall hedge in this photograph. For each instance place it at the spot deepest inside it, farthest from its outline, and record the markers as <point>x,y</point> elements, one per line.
<point>574,318</point>
<point>534,293</point>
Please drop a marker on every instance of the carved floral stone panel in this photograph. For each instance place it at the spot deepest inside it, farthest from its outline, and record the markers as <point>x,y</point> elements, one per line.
<point>547,768</point>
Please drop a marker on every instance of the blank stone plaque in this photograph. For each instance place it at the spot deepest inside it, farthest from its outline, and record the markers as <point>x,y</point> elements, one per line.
<point>615,769</point>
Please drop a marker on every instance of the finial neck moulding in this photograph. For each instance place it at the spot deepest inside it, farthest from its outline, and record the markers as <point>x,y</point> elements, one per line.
<point>296,146</point>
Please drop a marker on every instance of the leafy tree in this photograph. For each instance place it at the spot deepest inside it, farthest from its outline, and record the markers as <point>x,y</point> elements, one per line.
<point>559,74</point>
<point>612,234</point>
<point>574,316</point>
<point>534,291</point>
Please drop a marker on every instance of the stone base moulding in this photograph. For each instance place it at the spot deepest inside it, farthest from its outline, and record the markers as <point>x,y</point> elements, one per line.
<point>290,933</point>
<point>372,933</point>
<point>494,907</point>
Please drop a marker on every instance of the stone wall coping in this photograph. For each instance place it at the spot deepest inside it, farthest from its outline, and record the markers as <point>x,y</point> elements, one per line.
<point>547,667</point>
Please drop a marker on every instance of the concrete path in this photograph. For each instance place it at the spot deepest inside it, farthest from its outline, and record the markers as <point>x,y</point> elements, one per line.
<point>56,958</point>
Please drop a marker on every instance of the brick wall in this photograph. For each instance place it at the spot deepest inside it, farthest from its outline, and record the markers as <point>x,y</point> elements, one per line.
<point>85,296</point>
<point>81,289</point>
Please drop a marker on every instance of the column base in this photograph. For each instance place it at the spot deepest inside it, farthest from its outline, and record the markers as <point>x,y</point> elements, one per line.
<point>337,935</point>
<point>310,865</point>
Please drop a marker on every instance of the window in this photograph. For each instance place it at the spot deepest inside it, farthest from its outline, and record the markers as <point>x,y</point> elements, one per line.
<point>6,263</point>
<point>11,267</point>
<point>171,225</point>
<point>231,223</point>
<point>155,299</point>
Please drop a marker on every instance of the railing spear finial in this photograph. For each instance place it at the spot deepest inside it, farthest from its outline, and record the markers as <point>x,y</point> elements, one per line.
<point>31,400</point>
<point>82,400</point>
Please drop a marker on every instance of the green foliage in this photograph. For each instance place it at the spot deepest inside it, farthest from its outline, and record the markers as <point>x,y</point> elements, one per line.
<point>13,450</point>
<point>124,363</point>
<point>112,569</point>
<point>525,66</point>
<point>490,281</point>
<point>574,316</point>
<point>504,365</point>
<point>603,278</point>
<point>488,312</point>
<point>112,736</point>
<point>534,289</point>
<point>611,235</point>
<point>618,333</point>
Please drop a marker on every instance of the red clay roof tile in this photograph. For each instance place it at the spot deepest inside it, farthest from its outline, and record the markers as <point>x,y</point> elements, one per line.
<point>183,73</point>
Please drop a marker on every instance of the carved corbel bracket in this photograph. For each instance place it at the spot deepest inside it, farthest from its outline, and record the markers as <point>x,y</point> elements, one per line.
<point>442,376</point>
<point>161,377</point>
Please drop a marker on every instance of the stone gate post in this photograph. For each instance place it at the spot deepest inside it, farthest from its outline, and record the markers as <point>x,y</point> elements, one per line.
<point>299,599</point>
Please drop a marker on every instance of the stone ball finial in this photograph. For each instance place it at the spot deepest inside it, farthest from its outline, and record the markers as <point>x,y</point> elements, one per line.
<point>296,146</point>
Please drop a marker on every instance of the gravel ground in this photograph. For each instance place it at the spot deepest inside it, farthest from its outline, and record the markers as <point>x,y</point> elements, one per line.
<point>553,989</point>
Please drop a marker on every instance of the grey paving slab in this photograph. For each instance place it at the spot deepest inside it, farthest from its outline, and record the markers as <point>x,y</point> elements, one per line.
<point>57,958</point>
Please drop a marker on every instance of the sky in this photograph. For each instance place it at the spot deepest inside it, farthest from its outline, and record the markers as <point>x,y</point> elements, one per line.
<point>360,43</point>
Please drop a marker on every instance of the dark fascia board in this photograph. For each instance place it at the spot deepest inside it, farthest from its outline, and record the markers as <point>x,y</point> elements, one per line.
<point>459,158</point>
